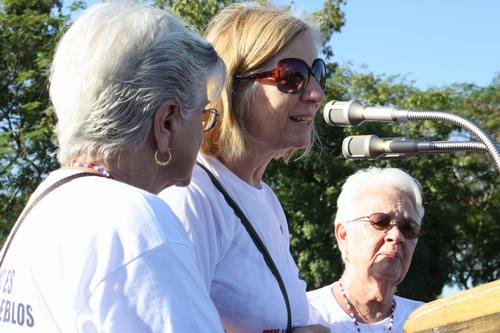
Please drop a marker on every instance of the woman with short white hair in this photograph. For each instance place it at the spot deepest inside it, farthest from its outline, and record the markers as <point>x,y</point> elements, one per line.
<point>96,250</point>
<point>377,227</point>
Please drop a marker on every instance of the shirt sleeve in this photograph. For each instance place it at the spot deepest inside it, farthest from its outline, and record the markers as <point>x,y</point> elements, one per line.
<point>207,218</point>
<point>159,291</point>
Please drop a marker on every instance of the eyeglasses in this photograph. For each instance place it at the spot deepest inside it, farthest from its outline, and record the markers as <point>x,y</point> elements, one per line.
<point>381,221</point>
<point>292,75</point>
<point>209,119</point>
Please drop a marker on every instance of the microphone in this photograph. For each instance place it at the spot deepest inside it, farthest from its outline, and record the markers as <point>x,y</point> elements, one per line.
<point>352,113</point>
<point>371,147</point>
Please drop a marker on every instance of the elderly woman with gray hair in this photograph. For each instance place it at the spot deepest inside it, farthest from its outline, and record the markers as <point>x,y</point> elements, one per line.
<point>96,250</point>
<point>377,226</point>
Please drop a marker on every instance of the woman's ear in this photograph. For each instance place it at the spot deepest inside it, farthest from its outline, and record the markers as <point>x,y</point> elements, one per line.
<point>340,232</point>
<point>341,236</point>
<point>167,121</point>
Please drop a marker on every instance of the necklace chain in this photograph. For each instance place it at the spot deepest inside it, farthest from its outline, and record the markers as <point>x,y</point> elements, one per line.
<point>351,313</point>
<point>92,166</point>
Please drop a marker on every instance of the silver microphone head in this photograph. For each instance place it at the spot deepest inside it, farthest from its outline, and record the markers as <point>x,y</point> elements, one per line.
<point>343,114</point>
<point>360,147</point>
<point>352,113</point>
<point>371,147</point>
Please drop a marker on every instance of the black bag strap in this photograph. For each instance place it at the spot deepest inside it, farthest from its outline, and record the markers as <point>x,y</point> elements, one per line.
<point>33,203</point>
<point>256,239</point>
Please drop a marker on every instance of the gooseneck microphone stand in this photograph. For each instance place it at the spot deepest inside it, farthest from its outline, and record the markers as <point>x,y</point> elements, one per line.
<point>353,113</point>
<point>491,147</point>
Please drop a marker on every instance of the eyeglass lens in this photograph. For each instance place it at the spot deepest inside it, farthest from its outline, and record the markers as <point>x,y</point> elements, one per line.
<point>292,75</point>
<point>209,119</point>
<point>380,221</point>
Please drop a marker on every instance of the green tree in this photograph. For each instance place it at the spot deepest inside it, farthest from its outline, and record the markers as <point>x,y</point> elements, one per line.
<point>195,12</point>
<point>461,190</point>
<point>199,12</point>
<point>28,31</point>
<point>28,34</point>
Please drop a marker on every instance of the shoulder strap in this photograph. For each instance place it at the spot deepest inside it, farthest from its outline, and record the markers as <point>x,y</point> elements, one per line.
<point>33,203</point>
<point>256,239</point>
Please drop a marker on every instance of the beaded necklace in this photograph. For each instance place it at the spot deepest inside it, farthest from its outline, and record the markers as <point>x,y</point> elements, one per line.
<point>99,169</point>
<point>351,313</point>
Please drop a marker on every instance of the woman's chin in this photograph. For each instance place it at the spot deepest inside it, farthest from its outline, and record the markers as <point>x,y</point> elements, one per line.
<point>299,144</point>
<point>391,273</point>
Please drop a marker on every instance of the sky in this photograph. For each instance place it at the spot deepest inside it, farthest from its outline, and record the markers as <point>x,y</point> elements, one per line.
<point>433,42</point>
<point>430,42</point>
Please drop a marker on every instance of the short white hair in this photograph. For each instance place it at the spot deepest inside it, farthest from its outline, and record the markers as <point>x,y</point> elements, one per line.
<point>115,66</point>
<point>377,178</point>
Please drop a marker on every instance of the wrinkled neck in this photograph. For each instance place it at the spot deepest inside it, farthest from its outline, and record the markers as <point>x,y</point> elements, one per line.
<point>370,299</point>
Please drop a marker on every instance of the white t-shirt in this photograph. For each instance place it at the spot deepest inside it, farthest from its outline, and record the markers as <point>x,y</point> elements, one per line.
<point>325,310</point>
<point>97,255</point>
<point>241,285</point>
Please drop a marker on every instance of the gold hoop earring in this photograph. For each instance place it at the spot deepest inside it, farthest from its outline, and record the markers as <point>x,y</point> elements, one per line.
<point>163,163</point>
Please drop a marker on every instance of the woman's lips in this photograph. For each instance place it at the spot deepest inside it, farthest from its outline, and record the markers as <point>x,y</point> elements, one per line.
<point>303,119</point>
<point>390,255</point>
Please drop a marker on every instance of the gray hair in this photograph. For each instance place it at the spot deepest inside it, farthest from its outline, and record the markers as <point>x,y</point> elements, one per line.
<point>115,66</point>
<point>374,177</point>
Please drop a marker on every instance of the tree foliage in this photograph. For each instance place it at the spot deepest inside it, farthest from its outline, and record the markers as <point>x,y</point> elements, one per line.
<point>461,190</point>
<point>195,12</point>
<point>28,31</point>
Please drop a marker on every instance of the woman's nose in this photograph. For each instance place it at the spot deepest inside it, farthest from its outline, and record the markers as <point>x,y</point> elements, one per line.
<point>313,92</point>
<point>394,234</point>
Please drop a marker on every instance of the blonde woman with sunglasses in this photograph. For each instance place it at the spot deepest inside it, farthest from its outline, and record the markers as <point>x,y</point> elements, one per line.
<point>274,86</point>
<point>377,226</point>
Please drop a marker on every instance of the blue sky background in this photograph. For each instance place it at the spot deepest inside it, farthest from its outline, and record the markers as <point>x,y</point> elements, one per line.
<point>430,42</point>
<point>434,42</point>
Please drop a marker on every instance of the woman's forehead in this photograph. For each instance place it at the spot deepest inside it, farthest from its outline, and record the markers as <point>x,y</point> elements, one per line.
<point>384,200</point>
<point>303,47</point>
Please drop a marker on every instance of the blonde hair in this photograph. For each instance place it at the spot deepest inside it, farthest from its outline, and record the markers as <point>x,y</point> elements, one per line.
<point>247,36</point>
